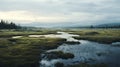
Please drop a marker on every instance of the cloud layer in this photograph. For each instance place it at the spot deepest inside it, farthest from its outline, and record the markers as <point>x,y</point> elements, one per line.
<point>56,11</point>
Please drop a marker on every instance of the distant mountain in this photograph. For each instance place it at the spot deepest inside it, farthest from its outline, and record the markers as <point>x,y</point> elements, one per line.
<point>70,25</point>
<point>62,24</point>
<point>112,25</point>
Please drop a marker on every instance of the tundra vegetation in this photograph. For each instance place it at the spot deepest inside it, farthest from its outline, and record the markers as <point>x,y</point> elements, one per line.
<point>106,36</point>
<point>26,51</point>
<point>58,54</point>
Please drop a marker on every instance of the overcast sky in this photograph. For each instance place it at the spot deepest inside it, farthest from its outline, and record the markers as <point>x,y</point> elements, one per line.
<point>57,11</point>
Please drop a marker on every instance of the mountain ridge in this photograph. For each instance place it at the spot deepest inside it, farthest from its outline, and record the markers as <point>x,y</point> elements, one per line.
<point>72,24</point>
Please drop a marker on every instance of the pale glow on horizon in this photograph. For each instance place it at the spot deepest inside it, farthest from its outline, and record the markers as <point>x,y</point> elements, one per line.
<point>16,16</point>
<point>25,16</point>
<point>28,17</point>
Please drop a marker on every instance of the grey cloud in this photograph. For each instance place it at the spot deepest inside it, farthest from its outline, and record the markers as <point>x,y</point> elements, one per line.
<point>109,9</point>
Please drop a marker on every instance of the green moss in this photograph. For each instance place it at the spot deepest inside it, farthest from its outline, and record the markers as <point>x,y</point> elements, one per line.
<point>106,36</point>
<point>10,33</point>
<point>25,52</point>
<point>101,39</point>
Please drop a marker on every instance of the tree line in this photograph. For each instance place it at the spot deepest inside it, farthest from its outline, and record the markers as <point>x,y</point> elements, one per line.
<point>8,25</point>
<point>106,26</point>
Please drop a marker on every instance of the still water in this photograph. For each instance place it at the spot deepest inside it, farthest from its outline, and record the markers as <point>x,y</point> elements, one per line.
<point>86,51</point>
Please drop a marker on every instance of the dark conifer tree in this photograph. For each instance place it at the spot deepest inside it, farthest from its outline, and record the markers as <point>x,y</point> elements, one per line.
<point>7,25</point>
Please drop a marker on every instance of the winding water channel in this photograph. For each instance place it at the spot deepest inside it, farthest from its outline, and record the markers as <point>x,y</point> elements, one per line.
<point>86,51</point>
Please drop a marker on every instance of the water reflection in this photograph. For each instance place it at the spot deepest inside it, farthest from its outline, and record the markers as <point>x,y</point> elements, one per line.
<point>87,51</point>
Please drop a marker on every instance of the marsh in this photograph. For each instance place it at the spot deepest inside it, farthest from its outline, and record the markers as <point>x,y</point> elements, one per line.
<point>68,48</point>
